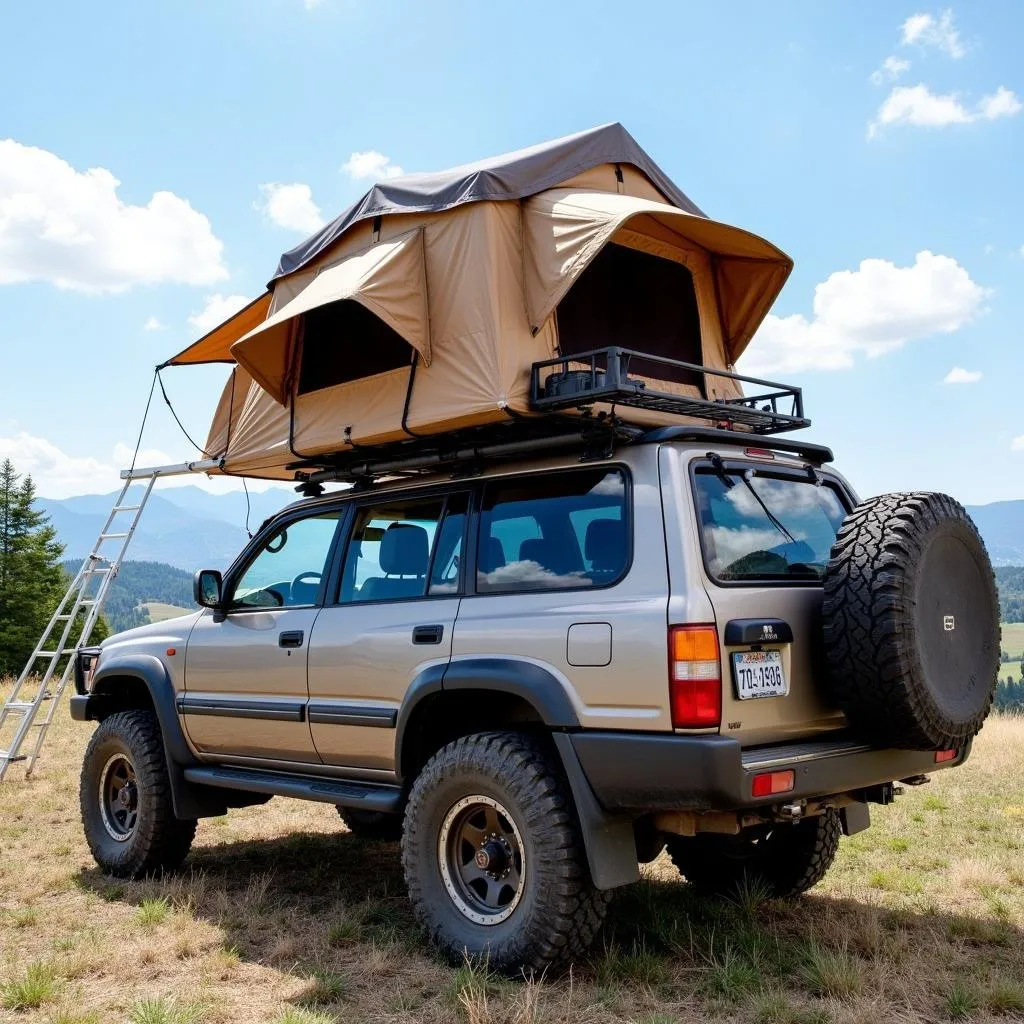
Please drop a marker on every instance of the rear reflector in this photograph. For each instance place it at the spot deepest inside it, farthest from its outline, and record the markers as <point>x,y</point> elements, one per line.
<point>759,453</point>
<point>771,783</point>
<point>695,677</point>
<point>944,755</point>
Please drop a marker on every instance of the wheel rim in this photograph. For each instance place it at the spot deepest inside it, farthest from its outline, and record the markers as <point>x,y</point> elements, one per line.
<point>119,798</point>
<point>482,860</point>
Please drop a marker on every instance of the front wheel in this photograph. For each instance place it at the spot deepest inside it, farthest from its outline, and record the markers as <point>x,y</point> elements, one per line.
<point>493,857</point>
<point>125,797</point>
<point>781,859</point>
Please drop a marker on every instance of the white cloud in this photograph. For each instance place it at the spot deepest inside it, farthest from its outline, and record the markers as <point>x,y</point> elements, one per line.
<point>891,69</point>
<point>71,228</point>
<point>918,105</point>
<point>1002,103</point>
<point>371,164</point>
<point>291,206</point>
<point>217,309</point>
<point>153,324</point>
<point>926,30</point>
<point>867,312</point>
<point>958,375</point>
<point>1017,444</point>
<point>59,475</point>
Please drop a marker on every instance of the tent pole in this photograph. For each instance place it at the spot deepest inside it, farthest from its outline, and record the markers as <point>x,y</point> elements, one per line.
<point>178,469</point>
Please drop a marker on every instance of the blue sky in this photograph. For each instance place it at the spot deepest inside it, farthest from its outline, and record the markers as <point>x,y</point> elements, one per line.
<point>876,132</point>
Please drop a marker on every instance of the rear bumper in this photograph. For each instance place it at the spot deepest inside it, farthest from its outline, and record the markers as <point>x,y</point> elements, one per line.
<point>644,772</point>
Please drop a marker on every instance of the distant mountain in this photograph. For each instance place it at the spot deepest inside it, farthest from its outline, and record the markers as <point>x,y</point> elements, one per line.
<point>1002,526</point>
<point>186,527</point>
<point>193,529</point>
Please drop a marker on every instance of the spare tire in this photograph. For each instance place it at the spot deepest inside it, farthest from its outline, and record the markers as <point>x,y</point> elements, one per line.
<point>911,622</point>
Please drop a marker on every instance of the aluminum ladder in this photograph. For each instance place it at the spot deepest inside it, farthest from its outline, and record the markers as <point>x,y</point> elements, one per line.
<point>82,603</point>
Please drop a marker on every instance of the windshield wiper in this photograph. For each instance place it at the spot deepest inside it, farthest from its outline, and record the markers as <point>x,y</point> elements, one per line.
<point>745,475</point>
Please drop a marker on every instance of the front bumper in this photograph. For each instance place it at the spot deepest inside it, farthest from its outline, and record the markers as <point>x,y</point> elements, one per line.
<point>643,772</point>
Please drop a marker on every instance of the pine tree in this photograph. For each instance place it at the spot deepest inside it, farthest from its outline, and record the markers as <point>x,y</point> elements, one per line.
<point>32,580</point>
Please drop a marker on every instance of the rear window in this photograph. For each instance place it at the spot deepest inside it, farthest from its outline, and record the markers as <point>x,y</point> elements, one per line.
<point>556,531</point>
<point>759,526</point>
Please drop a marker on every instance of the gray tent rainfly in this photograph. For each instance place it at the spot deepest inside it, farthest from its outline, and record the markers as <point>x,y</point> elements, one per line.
<point>422,309</point>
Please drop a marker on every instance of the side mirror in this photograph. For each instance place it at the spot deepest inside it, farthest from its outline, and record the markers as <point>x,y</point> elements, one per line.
<point>206,588</point>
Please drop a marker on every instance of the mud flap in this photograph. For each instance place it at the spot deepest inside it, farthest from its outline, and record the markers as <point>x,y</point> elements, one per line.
<point>855,818</point>
<point>608,838</point>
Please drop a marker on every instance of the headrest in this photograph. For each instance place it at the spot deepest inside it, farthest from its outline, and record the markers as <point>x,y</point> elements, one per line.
<point>537,550</point>
<point>404,550</point>
<point>493,555</point>
<point>606,544</point>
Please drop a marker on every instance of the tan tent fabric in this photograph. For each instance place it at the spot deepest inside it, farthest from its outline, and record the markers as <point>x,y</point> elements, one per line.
<point>565,229</point>
<point>215,347</point>
<point>388,278</point>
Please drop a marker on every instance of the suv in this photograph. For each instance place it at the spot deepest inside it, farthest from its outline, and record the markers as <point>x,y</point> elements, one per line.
<point>540,673</point>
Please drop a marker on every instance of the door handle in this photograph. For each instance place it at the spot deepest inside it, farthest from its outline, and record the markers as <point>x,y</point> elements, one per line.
<point>290,638</point>
<point>427,634</point>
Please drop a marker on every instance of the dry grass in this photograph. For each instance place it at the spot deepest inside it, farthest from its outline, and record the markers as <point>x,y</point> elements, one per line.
<point>282,917</point>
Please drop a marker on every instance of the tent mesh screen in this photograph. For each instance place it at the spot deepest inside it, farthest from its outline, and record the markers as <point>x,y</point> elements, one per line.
<point>632,299</point>
<point>344,341</point>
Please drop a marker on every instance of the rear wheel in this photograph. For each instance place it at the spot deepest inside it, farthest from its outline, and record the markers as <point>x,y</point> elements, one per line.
<point>372,824</point>
<point>782,859</point>
<point>493,857</point>
<point>125,798</point>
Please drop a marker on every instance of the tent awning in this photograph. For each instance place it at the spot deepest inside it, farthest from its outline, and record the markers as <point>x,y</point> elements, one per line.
<point>388,278</point>
<point>215,347</point>
<point>564,230</point>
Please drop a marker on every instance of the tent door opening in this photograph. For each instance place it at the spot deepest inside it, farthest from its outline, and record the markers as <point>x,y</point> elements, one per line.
<point>631,299</point>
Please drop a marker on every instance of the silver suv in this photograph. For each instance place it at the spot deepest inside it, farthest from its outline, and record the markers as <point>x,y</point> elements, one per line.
<point>540,673</point>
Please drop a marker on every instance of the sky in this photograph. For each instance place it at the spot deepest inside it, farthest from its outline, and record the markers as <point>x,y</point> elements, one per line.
<point>155,160</point>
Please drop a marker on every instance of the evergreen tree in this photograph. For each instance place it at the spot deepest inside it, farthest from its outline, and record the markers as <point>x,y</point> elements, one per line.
<point>32,580</point>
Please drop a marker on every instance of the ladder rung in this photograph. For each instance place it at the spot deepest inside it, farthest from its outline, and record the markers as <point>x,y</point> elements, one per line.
<point>112,536</point>
<point>5,756</point>
<point>51,654</point>
<point>127,508</point>
<point>19,705</point>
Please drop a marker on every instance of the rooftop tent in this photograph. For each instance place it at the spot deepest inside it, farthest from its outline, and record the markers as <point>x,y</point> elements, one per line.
<point>422,309</point>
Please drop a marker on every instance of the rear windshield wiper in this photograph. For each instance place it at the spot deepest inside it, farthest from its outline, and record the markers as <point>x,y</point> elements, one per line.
<point>745,476</point>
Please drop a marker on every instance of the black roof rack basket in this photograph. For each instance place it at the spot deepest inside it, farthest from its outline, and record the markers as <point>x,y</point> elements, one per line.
<point>602,375</point>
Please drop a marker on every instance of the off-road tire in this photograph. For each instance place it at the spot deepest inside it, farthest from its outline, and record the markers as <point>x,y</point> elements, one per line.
<point>784,860</point>
<point>911,622</point>
<point>376,825</point>
<point>560,911</point>
<point>159,841</point>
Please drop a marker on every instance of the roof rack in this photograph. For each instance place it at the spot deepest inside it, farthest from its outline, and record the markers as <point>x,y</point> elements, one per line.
<point>602,375</point>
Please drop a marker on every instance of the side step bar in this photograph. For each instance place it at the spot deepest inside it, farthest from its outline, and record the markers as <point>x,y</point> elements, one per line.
<point>368,796</point>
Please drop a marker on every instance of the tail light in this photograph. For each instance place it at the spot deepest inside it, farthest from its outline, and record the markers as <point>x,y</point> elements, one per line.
<point>695,677</point>
<point>771,783</point>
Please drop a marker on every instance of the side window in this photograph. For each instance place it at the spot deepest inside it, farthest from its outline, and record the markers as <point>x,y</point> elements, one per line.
<point>389,555</point>
<point>554,531</point>
<point>288,569</point>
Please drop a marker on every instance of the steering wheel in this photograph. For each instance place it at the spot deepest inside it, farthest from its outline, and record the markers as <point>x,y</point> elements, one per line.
<point>304,577</point>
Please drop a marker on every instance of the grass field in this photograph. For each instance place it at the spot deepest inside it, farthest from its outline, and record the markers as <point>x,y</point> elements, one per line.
<point>282,917</point>
<point>158,611</point>
<point>1013,639</point>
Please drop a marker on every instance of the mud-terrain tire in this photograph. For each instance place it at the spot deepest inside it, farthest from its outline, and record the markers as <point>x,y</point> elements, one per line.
<point>782,860</point>
<point>376,825</point>
<point>555,911</point>
<point>911,622</point>
<point>125,798</point>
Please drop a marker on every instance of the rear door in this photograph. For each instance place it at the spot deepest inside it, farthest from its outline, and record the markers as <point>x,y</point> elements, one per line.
<point>765,534</point>
<point>392,618</point>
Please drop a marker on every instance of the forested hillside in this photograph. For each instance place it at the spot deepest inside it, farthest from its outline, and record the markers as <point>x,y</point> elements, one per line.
<point>137,583</point>
<point>1010,579</point>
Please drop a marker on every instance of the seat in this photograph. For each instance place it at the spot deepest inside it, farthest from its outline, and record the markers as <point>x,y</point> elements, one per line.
<point>492,556</point>
<point>550,555</point>
<point>404,556</point>
<point>605,548</point>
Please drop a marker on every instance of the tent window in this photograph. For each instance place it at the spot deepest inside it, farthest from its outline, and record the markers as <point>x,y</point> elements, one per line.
<point>344,341</point>
<point>632,299</point>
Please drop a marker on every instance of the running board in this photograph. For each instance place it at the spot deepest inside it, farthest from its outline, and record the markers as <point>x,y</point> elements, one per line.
<point>364,795</point>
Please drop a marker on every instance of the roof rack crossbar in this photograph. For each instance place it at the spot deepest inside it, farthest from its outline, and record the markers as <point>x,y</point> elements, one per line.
<point>602,375</point>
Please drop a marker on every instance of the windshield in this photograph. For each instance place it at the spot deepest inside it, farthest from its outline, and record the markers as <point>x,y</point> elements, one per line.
<point>756,526</point>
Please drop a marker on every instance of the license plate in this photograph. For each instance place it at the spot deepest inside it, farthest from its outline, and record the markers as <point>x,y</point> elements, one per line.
<point>759,674</point>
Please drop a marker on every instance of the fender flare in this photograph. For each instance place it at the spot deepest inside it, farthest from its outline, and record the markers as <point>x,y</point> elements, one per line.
<point>190,801</point>
<point>608,839</point>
